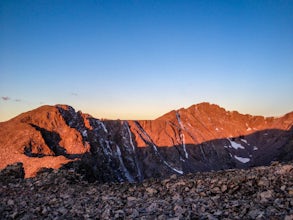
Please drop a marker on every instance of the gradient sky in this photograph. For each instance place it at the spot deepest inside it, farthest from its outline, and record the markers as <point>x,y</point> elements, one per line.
<point>140,59</point>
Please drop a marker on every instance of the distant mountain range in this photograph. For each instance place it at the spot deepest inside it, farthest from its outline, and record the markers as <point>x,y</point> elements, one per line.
<point>203,137</point>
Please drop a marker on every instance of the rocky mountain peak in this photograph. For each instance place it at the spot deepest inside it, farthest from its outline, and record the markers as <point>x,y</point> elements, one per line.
<point>202,137</point>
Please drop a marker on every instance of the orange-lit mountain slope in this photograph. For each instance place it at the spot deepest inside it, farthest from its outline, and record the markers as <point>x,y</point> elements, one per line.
<point>200,138</point>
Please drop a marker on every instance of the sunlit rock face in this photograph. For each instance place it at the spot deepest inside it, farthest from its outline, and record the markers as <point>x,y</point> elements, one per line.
<point>202,137</point>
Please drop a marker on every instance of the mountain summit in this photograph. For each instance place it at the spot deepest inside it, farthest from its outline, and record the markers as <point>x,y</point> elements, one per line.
<point>202,137</point>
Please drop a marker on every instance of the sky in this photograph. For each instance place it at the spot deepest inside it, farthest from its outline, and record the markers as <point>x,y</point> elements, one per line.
<point>139,59</point>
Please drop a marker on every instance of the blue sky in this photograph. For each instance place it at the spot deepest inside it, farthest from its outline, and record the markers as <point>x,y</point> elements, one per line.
<point>140,59</point>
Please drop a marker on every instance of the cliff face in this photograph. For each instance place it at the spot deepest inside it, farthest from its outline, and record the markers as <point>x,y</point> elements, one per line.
<point>39,138</point>
<point>203,137</point>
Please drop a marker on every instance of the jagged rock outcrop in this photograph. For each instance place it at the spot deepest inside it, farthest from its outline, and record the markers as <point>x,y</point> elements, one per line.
<point>39,138</point>
<point>203,137</point>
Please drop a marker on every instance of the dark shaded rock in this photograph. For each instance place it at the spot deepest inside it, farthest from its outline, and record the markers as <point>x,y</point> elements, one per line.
<point>12,173</point>
<point>64,194</point>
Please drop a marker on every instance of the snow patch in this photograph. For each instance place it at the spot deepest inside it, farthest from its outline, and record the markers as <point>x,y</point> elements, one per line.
<point>130,138</point>
<point>176,170</point>
<point>242,159</point>
<point>245,141</point>
<point>235,145</point>
<point>108,150</point>
<point>103,126</point>
<point>184,146</point>
<point>126,172</point>
<point>255,148</point>
<point>181,159</point>
<point>182,137</point>
<point>84,133</point>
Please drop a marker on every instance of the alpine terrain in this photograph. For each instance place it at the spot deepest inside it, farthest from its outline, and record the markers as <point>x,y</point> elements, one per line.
<point>203,137</point>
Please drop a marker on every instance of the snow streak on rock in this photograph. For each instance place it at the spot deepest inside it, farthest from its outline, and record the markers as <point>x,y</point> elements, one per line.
<point>130,136</point>
<point>146,138</point>
<point>133,147</point>
<point>236,145</point>
<point>124,170</point>
<point>242,159</point>
<point>182,137</point>
<point>103,126</point>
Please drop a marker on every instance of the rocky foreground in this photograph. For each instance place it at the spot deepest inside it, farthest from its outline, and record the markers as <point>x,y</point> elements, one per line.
<point>258,193</point>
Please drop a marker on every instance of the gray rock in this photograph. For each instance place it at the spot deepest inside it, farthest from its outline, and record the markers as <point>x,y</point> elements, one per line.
<point>151,190</point>
<point>284,169</point>
<point>255,213</point>
<point>208,197</point>
<point>265,196</point>
<point>289,217</point>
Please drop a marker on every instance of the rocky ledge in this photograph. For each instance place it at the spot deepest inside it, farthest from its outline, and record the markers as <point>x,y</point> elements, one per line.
<point>258,193</point>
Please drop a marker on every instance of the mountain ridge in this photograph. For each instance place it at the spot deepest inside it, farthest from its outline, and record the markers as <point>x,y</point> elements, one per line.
<point>202,137</point>
<point>210,106</point>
